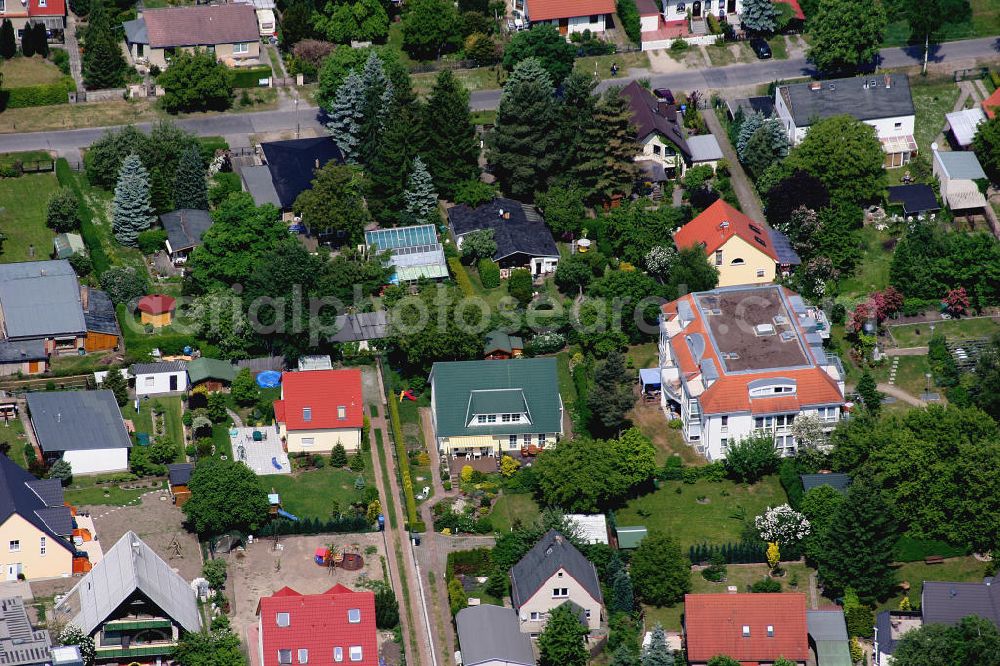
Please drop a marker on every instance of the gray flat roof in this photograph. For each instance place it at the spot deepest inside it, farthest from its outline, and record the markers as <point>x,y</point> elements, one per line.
<point>77,420</point>
<point>40,299</point>
<point>960,165</point>
<point>826,625</point>
<point>257,181</point>
<point>704,148</point>
<point>864,98</point>
<point>490,633</point>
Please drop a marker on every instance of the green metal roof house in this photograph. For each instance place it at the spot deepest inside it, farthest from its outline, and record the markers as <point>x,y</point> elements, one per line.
<point>210,370</point>
<point>498,406</point>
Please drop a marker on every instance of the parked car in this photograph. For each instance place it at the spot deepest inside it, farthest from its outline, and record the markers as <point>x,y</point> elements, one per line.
<point>761,47</point>
<point>664,95</point>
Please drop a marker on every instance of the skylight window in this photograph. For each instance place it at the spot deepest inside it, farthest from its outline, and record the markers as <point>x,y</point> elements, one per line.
<point>354,615</point>
<point>307,414</point>
<point>284,619</point>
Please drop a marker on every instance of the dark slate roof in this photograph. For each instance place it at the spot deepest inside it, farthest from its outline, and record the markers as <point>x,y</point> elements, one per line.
<point>17,496</point>
<point>883,627</point>
<point>49,491</point>
<point>647,118</point>
<point>157,368</point>
<point>947,603</point>
<point>185,226</point>
<point>489,634</point>
<point>917,198</point>
<point>551,553</point>
<point>19,351</point>
<point>135,31</point>
<point>257,181</point>
<point>524,232</point>
<point>100,313</point>
<point>783,248</point>
<point>361,326</point>
<point>179,473</point>
<point>292,164</point>
<point>77,420</point>
<point>838,482</point>
<point>751,105</point>
<point>854,97</point>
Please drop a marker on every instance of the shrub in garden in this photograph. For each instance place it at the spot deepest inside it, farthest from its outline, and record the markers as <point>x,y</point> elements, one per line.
<point>489,273</point>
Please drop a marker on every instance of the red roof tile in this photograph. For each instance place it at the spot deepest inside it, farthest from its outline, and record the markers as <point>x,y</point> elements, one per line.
<point>50,8</point>
<point>720,222</point>
<point>156,304</point>
<point>991,104</point>
<point>796,8</point>
<point>731,393</point>
<point>546,10</point>
<point>713,625</point>
<point>319,394</point>
<point>201,25</point>
<point>319,623</point>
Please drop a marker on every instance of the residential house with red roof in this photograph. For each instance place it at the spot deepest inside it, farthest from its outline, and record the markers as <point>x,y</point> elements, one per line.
<point>991,104</point>
<point>337,626</point>
<point>751,628</point>
<point>50,13</point>
<point>571,15</point>
<point>738,361</point>
<point>320,408</point>
<point>743,250</point>
<point>229,31</point>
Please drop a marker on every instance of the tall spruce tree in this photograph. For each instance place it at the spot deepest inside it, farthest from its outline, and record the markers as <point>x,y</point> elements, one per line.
<point>421,199</point>
<point>575,115</point>
<point>658,653</point>
<point>450,148</point>
<point>41,40</point>
<point>346,117</point>
<point>623,595</point>
<point>607,149</point>
<point>190,184</point>
<point>395,151</point>
<point>748,128</point>
<point>377,98</point>
<point>523,145</point>
<point>131,207</point>
<point>760,16</point>
<point>8,42</point>
<point>28,41</point>
<point>103,62</point>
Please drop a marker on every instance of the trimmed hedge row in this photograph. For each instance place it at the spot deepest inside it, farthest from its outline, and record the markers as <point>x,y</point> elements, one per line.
<point>461,277</point>
<point>45,94</point>
<point>250,77</point>
<point>342,525</point>
<point>88,231</point>
<point>743,552</point>
<point>403,461</point>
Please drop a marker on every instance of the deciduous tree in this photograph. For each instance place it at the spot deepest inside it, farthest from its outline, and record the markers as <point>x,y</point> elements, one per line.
<point>661,573</point>
<point>844,39</point>
<point>430,27</point>
<point>844,154</point>
<point>974,641</point>
<point>986,143</point>
<point>225,495</point>
<point>544,43</point>
<point>196,81</point>
<point>751,458</point>
<point>62,212</point>
<point>561,643</point>
<point>244,389</point>
<point>335,203</point>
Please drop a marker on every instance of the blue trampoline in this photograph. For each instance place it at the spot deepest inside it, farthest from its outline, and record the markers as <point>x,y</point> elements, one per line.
<point>269,379</point>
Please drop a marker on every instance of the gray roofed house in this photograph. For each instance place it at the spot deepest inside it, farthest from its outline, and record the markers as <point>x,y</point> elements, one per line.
<point>855,97</point>
<point>947,603</point>
<point>361,326</point>
<point>838,482</point>
<point>828,637</point>
<point>40,299</point>
<point>19,351</point>
<point>137,369</point>
<point>179,473</point>
<point>539,582</point>
<point>957,173</point>
<point>959,165</point>
<point>704,148</point>
<point>890,627</point>
<point>40,502</point>
<point>135,32</point>
<point>77,421</point>
<point>132,585</point>
<point>20,644</point>
<point>650,116</point>
<point>184,229</point>
<point>489,636</point>
<point>519,231</point>
<point>258,182</point>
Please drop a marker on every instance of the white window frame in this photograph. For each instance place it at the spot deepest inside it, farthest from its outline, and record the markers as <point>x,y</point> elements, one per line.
<point>41,546</point>
<point>308,441</point>
<point>535,616</point>
<point>241,48</point>
<point>14,545</point>
<point>354,615</point>
<point>560,592</point>
<point>355,653</point>
<point>338,654</point>
<point>278,617</point>
<point>341,412</point>
<point>303,655</point>
<point>760,272</point>
<point>150,381</point>
<point>307,414</point>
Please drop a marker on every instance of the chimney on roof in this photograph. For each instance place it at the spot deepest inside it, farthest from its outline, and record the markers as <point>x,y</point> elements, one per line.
<point>84,296</point>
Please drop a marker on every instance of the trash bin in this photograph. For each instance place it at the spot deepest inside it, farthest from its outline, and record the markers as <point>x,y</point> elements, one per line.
<point>416,538</point>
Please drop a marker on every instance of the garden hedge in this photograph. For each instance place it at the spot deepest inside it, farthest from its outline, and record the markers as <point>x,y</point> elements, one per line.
<point>45,94</point>
<point>250,77</point>
<point>461,277</point>
<point>88,231</point>
<point>310,526</point>
<point>489,273</point>
<point>403,461</point>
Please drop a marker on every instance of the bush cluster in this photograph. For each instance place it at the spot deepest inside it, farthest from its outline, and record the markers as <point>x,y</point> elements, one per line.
<point>489,273</point>
<point>45,94</point>
<point>250,77</point>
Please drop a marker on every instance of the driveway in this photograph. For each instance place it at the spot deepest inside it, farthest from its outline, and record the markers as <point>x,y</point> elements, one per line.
<point>744,189</point>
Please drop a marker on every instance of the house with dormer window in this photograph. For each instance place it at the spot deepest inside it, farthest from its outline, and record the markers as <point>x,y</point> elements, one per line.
<point>319,409</point>
<point>488,408</point>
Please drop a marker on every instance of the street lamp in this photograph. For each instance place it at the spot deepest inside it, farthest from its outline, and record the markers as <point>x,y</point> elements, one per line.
<point>296,114</point>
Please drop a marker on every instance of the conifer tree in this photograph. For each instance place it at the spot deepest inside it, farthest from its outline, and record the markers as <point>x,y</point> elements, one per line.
<point>131,206</point>
<point>190,184</point>
<point>575,115</point>
<point>378,97</point>
<point>421,199</point>
<point>28,41</point>
<point>623,594</point>
<point>606,152</point>
<point>41,40</point>
<point>561,643</point>
<point>451,150</point>
<point>346,117</point>
<point>748,128</point>
<point>623,656</point>
<point>8,42</point>
<point>523,145</point>
<point>338,456</point>
<point>658,654</point>
<point>394,152</point>
<point>103,62</point>
<point>759,16</point>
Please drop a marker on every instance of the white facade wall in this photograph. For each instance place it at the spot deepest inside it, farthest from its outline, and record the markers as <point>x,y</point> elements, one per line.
<point>533,613</point>
<point>578,23</point>
<point>97,461</point>
<point>892,126</point>
<point>649,23</point>
<point>677,10</point>
<point>159,383</point>
<point>544,265</point>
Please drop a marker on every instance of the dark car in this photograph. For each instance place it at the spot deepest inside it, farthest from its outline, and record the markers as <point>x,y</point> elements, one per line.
<point>664,95</point>
<point>761,47</point>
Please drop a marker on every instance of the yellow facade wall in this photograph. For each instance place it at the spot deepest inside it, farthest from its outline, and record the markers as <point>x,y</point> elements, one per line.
<point>157,320</point>
<point>322,441</point>
<point>754,260</point>
<point>57,560</point>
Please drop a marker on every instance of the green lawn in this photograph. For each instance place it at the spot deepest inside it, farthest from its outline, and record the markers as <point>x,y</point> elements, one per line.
<point>958,569</point>
<point>646,355</point>
<point>718,521</point>
<point>566,386</point>
<point>911,374</point>
<point>980,20</point>
<point>84,490</point>
<point>20,72</point>
<point>931,101</point>
<point>174,428</point>
<point>779,47</point>
<point>917,335</point>
<point>311,494</point>
<point>872,273</point>
<point>602,64</point>
<point>27,156</point>
<point>480,78</point>
<point>22,216</point>
<point>484,117</point>
<point>12,432</point>
<point>509,507</point>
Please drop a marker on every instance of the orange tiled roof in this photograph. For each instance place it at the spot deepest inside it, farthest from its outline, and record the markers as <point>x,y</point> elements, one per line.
<point>547,10</point>
<point>720,222</point>
<point>714,625</point>
<point>991,104</point>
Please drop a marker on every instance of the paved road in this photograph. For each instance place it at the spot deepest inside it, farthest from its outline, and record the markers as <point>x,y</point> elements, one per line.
<point>239,125</point>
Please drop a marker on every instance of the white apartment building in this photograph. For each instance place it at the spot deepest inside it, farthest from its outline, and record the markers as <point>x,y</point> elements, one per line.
<point>740,360</point>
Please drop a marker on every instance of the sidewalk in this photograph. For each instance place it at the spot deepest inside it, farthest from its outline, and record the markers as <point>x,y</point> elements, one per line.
<point>744,189</point>
<point>73,49</point>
